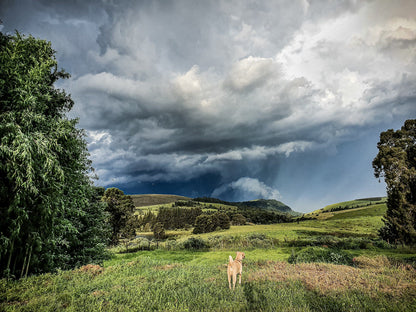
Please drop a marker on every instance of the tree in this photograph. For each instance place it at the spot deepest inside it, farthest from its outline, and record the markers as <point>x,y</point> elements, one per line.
<point>46,193</point>
<point>121,209</point>
<point>223,221</point>
<point>202,224</point>
<point>396,163</point>
<point>159,231</point>
<point>239,219</point>
<point>205,223</point>
<point>93,233</point>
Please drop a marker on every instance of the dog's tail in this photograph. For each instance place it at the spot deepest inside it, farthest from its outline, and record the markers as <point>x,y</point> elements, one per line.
<point>231,259</point>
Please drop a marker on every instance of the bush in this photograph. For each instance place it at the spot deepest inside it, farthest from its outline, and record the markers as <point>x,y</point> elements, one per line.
<point>194,243</point>
<point>159,231</point>
<point>254,240</point>
<point>206,223</point>
<point>320,254</point>
<point>239,219</point>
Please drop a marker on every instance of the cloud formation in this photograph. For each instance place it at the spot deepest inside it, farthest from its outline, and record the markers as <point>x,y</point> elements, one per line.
<point>246,189</point>
<point>170,92</point>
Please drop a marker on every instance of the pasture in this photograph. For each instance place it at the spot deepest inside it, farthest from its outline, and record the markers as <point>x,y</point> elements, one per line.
<point>331,264</point>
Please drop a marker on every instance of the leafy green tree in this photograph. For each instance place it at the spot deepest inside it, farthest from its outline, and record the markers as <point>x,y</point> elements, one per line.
<point>202,224</point>
<point>121,209</point>
<point>222,220</point>
<point>239,219</point>
<point>206,223</point>
<point>93,233</point>
<point>46,193</point>
<point>396,163</point>
<point>159,231</point>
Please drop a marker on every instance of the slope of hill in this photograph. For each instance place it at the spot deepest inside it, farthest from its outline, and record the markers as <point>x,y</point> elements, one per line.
<point>269,205</point>
<point>262,204</point>
<point>155,199</point>
<point>361,206</point>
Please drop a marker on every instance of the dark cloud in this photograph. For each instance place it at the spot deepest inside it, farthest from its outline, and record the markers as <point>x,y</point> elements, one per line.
<point>236,99</point>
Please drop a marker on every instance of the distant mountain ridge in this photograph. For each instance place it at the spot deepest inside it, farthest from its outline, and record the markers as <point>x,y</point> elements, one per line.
<point>263,204</point>
<point>267,204</point>
<point>142,200</point>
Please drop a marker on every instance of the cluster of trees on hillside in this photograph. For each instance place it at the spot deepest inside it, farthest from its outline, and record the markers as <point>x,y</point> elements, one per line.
<point>260,216</point>
<point>206,223</point>
<point>187,203</point>
<point>177,218</point>
<point>171,218</point>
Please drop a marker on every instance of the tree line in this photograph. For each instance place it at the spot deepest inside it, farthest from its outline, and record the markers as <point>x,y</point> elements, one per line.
<point>51,215</point>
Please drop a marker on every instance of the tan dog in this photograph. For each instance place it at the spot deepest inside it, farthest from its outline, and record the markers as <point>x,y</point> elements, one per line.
<point>235,267</point>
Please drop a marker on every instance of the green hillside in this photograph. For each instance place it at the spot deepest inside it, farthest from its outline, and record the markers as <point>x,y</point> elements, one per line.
<point>155,199</point>
<point>269,204</point>
<point>364,204</point>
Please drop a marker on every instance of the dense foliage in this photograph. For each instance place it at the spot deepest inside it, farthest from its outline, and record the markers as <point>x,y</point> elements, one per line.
<point>159,231</point>
<point>49,214</point>
<point>260,216</point>
<point>206,223</point>
<point>396,162</point>
<point>122,220</point>
<point>177,218</point>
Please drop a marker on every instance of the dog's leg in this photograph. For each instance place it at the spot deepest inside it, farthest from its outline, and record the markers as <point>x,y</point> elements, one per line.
<point>234,279</point>
<point>229,278</point>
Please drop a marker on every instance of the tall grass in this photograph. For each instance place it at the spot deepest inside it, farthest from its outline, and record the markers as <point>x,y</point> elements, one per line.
<point>196,281</point>
<point>192,277</point>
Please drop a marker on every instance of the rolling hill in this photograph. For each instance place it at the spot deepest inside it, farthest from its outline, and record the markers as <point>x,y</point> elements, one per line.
<point>269,205</point>
<point>143,200</point>
<point>262,204</point>
<point>146,200</point>
<point>363,206</point>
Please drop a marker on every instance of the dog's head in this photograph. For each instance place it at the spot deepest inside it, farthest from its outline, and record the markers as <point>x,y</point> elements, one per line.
<point>240,256</point>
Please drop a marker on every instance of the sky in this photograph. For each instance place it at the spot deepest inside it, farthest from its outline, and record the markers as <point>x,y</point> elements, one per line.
<point>237,100</point>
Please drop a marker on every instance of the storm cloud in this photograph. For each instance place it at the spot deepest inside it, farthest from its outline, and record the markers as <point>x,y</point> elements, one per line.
<point>235,99</point>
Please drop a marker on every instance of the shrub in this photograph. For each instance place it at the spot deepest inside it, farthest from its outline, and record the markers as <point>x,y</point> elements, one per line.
<point>159,231</point>
<point>206,223</point>
<point>194,243</point>
<point>320,254</point>
<point>239,219</point>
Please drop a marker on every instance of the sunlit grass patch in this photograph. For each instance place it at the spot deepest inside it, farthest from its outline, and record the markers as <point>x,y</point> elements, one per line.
<point>371,276</point>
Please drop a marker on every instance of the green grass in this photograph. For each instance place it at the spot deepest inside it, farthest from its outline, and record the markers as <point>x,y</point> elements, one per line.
<point>196,281</point>
<point>381,278</point>
<point>357,203</point>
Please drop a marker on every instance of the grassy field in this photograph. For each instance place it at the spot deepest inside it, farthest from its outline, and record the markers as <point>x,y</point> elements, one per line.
<point>328,211</point>
<point>336,264</point>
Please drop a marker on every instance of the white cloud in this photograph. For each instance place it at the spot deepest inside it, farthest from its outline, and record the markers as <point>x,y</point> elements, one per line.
<point>248,188</point>
<point>250,73</point>
<point>261,152</point>
<point>189,83</point>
